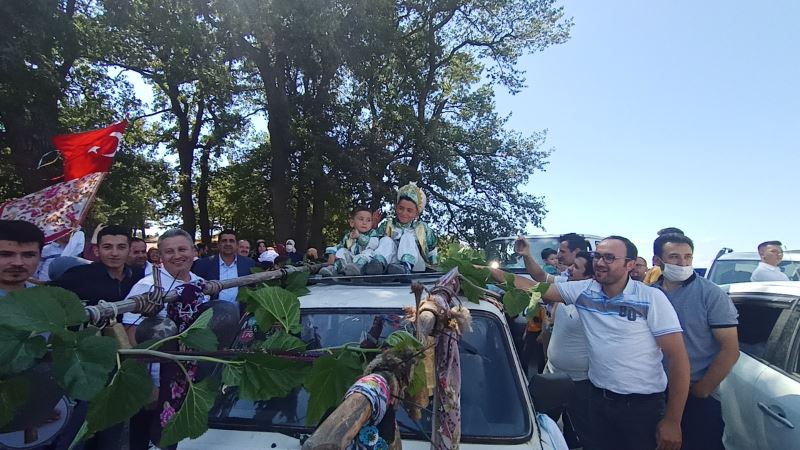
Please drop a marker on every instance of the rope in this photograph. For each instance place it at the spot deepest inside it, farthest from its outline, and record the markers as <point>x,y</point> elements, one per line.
<point>151,304</point>
<point>212,287</point>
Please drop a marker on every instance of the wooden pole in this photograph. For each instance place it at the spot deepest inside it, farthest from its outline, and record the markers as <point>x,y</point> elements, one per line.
<point>342,426</point>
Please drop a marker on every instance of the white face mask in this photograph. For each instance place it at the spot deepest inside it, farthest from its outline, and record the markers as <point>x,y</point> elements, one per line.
<point>673,272</point>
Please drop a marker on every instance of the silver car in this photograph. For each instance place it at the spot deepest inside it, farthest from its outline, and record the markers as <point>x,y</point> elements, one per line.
<point>761,396</point>
<point>736,267</point>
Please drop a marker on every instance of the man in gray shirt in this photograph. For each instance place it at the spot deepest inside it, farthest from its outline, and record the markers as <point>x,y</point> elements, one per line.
<point>709,321</point>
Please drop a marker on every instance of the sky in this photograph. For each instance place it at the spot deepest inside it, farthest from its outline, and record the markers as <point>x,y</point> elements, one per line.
<point>669,113</point>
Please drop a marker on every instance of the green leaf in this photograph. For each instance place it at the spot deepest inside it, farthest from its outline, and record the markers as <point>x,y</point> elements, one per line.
<point>330,378</point>
<point>82,362</point>
<point>43,308</point>
<point>200,339</point>
<point>19,350</point>
<point>419,380</point>
<point>296,283</point>
<point>203,320</point>
<point>13,393</point>
<point>281,341</point>
<point>263,377</point>
<point>515,301</point>
<point>273,304</point>
<point>402,339</point>
<point>129,391</point>
<point>510,278</point>
<point>472,293</point>
<point>191,421</point>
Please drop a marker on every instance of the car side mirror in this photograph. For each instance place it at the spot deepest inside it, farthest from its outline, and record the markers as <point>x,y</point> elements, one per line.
<point>550,391</point>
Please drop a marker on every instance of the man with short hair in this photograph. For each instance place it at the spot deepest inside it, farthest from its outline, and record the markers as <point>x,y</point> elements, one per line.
<point>21,245</point>
<point>709,322</point>
<point>639,269</point>
<point>630,327</point>
<point>110,278</point>
<point>570,245</point>
<point>228,264</point>
<point>244,248</point>
<point>771,253</point>
<point>654,273</point>
<point>137,257</point>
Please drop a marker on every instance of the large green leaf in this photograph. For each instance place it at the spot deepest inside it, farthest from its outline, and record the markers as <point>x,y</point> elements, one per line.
<point>281,341</point>
<point>402,339</point>
<point>203,320</point>
<point>83,361</point>
<point>19,350</point>
<point>263,377</point>
<point>419,379</point>
<point>129,391</point>
<point>13,393</point>
<point>200,339</point>
<point>296,283</point>
<point>273,304</point>
<point>191,421</point>
<point>515,300</point>
<point>42,308</point>
<point>330,378</point>
<point>470,291</point>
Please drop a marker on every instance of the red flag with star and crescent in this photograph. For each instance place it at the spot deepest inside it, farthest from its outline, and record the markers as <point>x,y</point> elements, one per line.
<point>90,151</point>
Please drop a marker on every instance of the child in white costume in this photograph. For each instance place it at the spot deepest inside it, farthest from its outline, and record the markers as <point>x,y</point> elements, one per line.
<point>357,246</point>
<point>406,243</point>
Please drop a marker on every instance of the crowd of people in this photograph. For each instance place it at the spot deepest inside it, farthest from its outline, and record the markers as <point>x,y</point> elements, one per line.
<point>645,347</point>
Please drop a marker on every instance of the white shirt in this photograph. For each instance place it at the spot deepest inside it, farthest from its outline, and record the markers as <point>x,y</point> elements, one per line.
<point>624,356</point>
<point>227,272</point>
<point>767,272</point>
<point>143,286</point>
<point>568,351</point>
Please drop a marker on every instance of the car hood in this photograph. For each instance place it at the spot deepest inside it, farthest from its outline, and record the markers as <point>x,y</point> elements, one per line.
<point>256,440</point>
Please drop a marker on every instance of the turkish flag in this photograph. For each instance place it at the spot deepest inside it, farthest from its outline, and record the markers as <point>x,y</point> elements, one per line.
<point>90,151</point>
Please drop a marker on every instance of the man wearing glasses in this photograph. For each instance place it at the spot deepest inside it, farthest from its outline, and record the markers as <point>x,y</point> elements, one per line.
<point>630,328</point>
<point>771,253</point>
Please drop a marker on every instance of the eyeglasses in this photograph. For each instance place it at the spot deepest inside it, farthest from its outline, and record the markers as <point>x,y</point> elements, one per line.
<point>607,257</point>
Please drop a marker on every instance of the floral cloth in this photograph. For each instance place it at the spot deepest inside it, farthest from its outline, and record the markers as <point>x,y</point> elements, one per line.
<point>58,209</point>
<point>447,435</point>
<point>376,389</point>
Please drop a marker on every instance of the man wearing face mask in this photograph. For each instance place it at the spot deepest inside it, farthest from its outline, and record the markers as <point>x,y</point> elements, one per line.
<point>709,321</point>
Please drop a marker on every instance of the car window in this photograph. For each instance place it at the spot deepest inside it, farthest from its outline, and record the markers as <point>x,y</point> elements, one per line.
<point>728,271</point>
<point>502,251</point>
<point>492,397</point>
<point>760,319</point>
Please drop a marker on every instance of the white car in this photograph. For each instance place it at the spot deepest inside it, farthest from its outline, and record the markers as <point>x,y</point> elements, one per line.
<point>761,396</point>
<point>736,267</point>
<point>497,409</point>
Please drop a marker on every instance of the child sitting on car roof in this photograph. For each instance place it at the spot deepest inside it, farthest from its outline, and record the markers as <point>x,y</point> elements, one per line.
<point>357,246</point>
<point>406,243</point>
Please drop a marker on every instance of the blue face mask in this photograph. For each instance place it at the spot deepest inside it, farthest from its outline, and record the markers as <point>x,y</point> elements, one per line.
<point>677,273</point>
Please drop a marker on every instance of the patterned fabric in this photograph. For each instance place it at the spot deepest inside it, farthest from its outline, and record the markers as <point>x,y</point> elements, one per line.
<point>58,209</point>
<point>425,237</point>
<point>447,434</point>
<point>174,385</point>
<point>414,193</point>
<point>376,389</point>
<point>358,244</point>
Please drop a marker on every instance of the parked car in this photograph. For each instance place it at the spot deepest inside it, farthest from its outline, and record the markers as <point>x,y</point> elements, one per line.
<point>761,396</point>
<point>497,407</point>
<point>500,251</point>
<point>736,267</point>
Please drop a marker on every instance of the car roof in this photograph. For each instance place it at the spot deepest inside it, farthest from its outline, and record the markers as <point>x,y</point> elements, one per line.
<point>791,255</point>
<point>373,296</point>
<point>765,287</point>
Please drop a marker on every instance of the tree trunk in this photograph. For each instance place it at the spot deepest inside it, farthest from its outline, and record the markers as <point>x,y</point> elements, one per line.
<point>319,196</point>
<point>202,197</point>
<point>279,120</point>
<point>188,135</point>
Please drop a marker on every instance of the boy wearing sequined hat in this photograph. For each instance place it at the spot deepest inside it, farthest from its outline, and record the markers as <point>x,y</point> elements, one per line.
<point>406,244</point>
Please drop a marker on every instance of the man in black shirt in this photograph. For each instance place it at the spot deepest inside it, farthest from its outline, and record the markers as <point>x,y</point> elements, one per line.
<point>109,279</point>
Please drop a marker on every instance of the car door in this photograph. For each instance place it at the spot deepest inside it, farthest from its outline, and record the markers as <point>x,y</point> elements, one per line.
<point>759,396</point>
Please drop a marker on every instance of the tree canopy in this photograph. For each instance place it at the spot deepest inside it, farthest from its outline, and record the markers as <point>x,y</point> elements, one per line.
<point>277,117</point>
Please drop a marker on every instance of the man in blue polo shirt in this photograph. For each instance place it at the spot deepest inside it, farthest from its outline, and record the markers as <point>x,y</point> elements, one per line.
<point>630,327</point>
<point>709,321</point>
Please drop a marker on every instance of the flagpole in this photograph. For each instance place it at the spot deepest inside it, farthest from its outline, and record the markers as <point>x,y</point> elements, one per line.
<point>108,310</point>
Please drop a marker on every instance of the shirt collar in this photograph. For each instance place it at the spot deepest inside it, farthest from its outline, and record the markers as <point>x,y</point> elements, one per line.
<point>764,265</point>
<point>684,283</point>
<point>222,261</point>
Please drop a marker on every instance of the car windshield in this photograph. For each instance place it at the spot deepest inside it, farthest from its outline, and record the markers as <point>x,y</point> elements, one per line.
<point>492,397</point>
<point>502,251</point>
<point>729,271</point>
